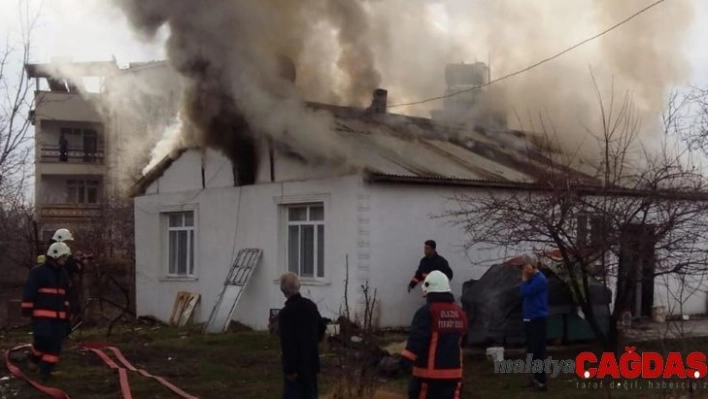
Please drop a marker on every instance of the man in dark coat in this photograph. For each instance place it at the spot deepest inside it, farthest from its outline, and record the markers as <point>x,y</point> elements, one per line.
<point>301,329</point>
<point>45,300</point>
<point>431,261</point>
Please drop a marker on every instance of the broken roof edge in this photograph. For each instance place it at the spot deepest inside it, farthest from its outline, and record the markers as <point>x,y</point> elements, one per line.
<point>372,176</point>
<point>139,187</point>
<point>88,68</point>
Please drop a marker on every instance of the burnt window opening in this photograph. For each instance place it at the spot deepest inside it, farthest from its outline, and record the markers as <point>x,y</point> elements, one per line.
<point>271,156</point>
<point>245,161</point>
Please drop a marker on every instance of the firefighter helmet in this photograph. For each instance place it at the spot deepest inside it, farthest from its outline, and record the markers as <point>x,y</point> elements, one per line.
<point>62,235</point>
<point>58,249</point>
<point>436,281</point>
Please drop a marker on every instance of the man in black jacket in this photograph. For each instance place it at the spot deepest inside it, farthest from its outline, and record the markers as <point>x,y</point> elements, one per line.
<point>301,329</point>
<point>431,261</point>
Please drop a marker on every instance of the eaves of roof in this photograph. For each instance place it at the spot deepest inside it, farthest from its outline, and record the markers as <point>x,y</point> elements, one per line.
<point>153,174</point>
<point>579,189</point>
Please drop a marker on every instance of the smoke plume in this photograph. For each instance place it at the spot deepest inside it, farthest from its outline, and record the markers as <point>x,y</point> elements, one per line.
<point>227,52</point>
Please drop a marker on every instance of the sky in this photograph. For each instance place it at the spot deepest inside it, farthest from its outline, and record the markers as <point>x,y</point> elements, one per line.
<point>88,30</point>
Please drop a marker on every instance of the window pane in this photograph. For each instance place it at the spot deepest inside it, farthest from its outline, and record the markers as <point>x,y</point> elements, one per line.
<point>82,196</point>
<point>191,252</point>
<point>317,213</point>
<point>176,220</point>
<point>92,195</point>
<point>297,214</point>
<point>71,195</point>
<point>189,218</point>
<point>320,250</point>
<point>173,252</point>
<point>293,244</point>
<point>182,253</point>
<point>307,251</point>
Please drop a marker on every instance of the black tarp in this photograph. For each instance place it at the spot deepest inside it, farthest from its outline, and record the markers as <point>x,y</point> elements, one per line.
<point>493,305</point>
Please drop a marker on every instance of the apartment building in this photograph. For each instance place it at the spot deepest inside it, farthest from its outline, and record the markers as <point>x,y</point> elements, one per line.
<point>81,133</point>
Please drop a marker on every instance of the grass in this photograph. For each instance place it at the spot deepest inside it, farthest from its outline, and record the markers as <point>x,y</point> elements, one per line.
<point>247,365</point>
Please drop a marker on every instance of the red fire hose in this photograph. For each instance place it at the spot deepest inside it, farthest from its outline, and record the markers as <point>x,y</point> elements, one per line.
<point>123,373</point>
<point>15,371</point>
<point>97,349</point>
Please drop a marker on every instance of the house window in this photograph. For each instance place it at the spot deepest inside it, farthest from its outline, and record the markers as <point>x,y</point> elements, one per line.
<point>305,240</point>
<point>180,236</point>
<point>82,191</point>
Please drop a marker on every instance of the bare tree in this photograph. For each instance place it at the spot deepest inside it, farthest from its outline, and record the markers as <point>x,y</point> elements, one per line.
<point>17,229</point>
<point>629,217</point>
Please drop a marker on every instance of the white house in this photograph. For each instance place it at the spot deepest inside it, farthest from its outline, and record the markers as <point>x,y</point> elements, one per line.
<point>315,220</point>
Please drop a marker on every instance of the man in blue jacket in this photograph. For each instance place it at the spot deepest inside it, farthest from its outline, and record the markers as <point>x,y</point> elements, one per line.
<point>534,297</point>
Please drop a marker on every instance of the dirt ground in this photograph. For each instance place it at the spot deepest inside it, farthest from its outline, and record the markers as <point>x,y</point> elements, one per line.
<point>246,365</point>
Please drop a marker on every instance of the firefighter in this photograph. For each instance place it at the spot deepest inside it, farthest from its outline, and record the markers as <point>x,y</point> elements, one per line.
<point>45,300</point>
<point>434,347</point>
<point>431,261</point>
<point>74,267</point>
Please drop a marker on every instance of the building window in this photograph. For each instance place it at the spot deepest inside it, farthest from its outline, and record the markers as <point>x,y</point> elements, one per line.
<point>82,191</point>
<point>305,240</point>
<point>180,237</point>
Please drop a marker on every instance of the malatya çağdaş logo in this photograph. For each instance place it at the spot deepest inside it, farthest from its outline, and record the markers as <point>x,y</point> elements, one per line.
<point>645,365</point>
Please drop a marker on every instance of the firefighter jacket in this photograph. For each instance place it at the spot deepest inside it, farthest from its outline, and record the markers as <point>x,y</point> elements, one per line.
<point>427,265</point>
<point>436,338</point>
<point>45,293</point>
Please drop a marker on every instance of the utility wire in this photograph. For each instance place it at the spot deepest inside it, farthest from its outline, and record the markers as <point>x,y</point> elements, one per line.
<point>608,30</point>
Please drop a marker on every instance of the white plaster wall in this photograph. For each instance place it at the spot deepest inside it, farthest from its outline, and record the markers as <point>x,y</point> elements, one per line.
<point>184,174</point>
<point>232,218</point>
<point>218,170</point>
<point>402,220</point>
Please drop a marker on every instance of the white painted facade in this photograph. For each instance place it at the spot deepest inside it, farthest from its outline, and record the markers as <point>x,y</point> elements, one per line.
<point>379,227</point>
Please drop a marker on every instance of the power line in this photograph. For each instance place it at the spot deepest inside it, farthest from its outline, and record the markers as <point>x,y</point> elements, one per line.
<point>569,49</point>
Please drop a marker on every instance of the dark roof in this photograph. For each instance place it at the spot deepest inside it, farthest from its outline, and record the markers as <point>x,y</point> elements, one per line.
<point>392,147</point>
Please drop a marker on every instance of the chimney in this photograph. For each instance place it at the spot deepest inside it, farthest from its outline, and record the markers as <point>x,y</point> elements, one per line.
<point>286,68</point>
<point>378,102</point>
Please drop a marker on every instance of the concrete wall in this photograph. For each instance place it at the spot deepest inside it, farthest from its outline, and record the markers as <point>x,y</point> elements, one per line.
<point>231,218</point>
<point>65,107</point>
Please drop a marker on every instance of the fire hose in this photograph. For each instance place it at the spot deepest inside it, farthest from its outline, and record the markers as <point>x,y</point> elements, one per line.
<point>96,348</point>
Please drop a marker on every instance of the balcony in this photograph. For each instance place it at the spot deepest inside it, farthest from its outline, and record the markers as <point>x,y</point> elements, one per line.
<point>68,212</point>
<point>77,162</point>
<point>51,154</point>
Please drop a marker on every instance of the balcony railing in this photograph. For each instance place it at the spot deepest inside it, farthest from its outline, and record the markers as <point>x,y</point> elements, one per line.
<point>52,154</point>
<point>69,211</point>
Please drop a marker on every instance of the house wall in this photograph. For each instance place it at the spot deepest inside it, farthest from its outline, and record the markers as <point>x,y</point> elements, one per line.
<point>402,218</point>
<point>231,218</point>
<point>377,229</point>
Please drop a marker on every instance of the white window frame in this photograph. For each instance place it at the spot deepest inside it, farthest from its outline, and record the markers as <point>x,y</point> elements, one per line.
<point>165,213</point>
<point>285,203</point>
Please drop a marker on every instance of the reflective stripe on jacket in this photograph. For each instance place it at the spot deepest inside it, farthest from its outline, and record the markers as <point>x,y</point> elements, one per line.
<point>435,339</point>
<point>45,293</point>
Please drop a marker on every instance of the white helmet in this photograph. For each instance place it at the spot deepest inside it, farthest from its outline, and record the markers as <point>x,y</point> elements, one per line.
<point>58,249</point>
<point>62,235</point>
<point>436,281</point>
